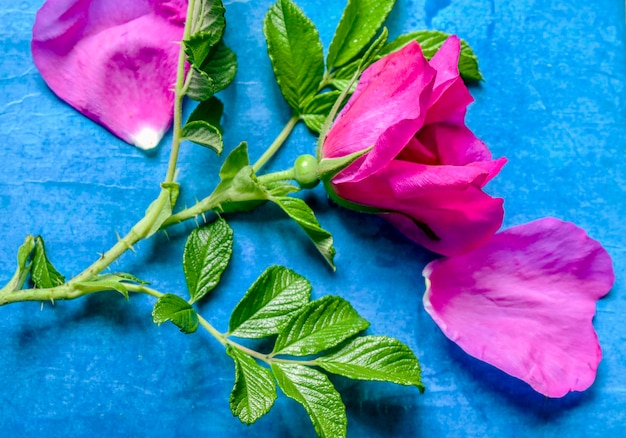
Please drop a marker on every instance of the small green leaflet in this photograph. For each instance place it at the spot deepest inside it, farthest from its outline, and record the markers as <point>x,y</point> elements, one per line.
<point>160,209</point>
<point>24,254</point>
<point>296,52</point>
<point>321,325</point>
<point>216,73</point>
<point>207,28</point>
<point>173,308</point>
<point>375,358</point>
<point>203,126</point>
<point>269,303</point>
<point>316,394</point>
<point>359,23</point>
<point>254,392</point>
<point>110,281</point>
<point>239,189</point>
<point>43,273</point>
<point>430,41</point>
<point>209,111</point>
<point>204,134</point>
<point>302,214</point>
<point>317,109</point>
<point>207,252</point>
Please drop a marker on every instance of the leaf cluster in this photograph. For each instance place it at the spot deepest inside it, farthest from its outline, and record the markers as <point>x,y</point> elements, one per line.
<point>213,66</point>
<point>311,338</point>
<point>311,85</point>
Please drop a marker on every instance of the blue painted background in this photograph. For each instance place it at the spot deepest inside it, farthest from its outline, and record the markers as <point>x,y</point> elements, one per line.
<point>553,103</point>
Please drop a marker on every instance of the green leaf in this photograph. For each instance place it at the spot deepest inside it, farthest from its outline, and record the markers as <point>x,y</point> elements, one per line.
<point>113,281</point>
<point>329,167</point>
<point>321,325</point>
<point>173,308</point>
<point>430,42</point>
<point>201,86</point>
<point>216,73</point>
<point>160,209</point>
<point>316,394</point>
<point>24,255</point>
<point>375,358</point>
<point>302,214</point>
<point>207,28</point>
<point>209,111</point>
<point>360,21</point>
<point>254,392</point>
<point>204,134</point>
<point>43,273</point>
<point>236,160</point>
<point>208,17</point>
<point>269,303</point>
<point>207,252</point>
<point>317,110</point>
<point>296,52</point>
<point>280,188</point>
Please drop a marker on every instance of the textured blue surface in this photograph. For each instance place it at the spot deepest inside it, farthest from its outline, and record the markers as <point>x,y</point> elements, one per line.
<point>553,103</point>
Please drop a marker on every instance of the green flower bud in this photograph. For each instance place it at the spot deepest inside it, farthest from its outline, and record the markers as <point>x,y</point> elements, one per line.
<point>306,171</point>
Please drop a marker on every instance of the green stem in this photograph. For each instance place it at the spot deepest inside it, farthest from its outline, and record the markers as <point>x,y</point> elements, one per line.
<point>282,175</point>
<point>178,99</point>
<point>278,142</point>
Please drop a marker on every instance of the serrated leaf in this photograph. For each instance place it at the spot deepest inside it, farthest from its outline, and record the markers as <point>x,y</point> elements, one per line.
<point>204,134</point>
<point>125,277</point>
<point>430,41</point>
<point>254,392</point>
<point>375,358</point>
<point>302,214</point>
<point>317,110</point>
<point>320,325</point>
<point>216,73</point>
<point>270,302</point>
<point>208,16</point>
<point>209,111</point>
<point>296,52</point>
<point>360,21</point>
<point>207,252</point>
<point>316,394</point>
<point>207,28</point>
<point>201,86</point>
<point>173,308</point>
<point>43,273</point>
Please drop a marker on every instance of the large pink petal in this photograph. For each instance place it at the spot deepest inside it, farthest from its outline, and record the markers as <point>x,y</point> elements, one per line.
<point>440,207</point>
<point>113,60</point>
<point>387,108</point>
<point>450,96</point>
<point>524,302</point>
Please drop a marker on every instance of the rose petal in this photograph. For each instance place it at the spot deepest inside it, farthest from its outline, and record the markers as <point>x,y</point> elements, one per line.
<point>448,199</point>
<point>114,61</point>
<point>450,97</point>
<point>524,303</point>
<point>385,111</point>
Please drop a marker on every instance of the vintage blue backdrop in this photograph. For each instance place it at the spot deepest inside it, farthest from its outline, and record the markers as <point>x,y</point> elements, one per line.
<point>553,102</point>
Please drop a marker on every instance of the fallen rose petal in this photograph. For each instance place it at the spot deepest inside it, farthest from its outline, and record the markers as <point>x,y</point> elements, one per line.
<point>524,302</point>
<point>113,60</point>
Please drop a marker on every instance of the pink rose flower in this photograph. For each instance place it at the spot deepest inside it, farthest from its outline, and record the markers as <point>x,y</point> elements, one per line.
<point>426,171</point>
<point>113,60</point>
<point>524,302</point>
